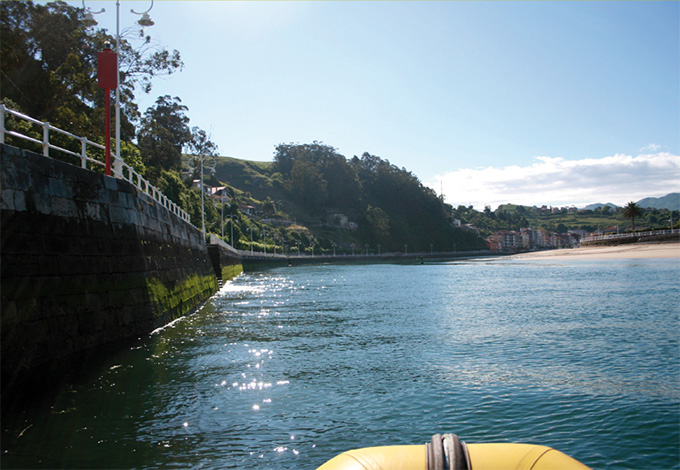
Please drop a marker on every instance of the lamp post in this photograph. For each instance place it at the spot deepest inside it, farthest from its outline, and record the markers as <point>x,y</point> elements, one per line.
<point>232,217</point>
<point>144,21</point>
<point>211,163</point>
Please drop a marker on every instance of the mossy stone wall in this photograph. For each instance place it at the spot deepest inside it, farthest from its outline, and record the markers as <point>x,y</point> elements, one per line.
<point>226,261</point>
<point>86,260</point>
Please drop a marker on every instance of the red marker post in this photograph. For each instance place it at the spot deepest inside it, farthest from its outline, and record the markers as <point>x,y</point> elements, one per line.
<point>107,78</point>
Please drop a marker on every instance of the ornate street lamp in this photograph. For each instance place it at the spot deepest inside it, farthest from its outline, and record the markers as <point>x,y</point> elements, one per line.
<point>144,21</point>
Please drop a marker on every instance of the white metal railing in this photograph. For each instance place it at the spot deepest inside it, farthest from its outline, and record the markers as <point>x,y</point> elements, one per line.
<point>618,236</point>
<point>126,172</point>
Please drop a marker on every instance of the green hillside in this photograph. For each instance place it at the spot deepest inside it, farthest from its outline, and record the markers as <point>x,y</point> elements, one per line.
<point>312,198</point>
<point>669,201</point>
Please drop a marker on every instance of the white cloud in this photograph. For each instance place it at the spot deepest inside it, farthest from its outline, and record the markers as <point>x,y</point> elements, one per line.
<point>650,148</point>
<point>554,181</point>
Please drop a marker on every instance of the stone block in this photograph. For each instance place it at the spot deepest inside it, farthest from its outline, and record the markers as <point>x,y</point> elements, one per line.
<point>56,206</point>
<point>15,177</point>
<point>12,199</point>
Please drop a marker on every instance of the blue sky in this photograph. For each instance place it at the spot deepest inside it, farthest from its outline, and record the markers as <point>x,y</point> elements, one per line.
<point>553,103</point>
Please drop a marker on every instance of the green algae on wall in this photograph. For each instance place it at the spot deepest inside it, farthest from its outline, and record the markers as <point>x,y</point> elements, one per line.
<point>183,297</point>
<point>230,272</point>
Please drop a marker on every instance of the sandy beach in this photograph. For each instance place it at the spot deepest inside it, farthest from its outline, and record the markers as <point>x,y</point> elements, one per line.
<point>637,250</point>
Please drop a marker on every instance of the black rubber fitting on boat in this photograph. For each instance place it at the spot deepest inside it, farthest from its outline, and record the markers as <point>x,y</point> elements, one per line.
<point>447,452</point>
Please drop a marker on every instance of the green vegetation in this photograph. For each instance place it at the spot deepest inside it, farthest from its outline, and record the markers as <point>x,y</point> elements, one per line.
<point>311,199</point>
<point>514,217</point>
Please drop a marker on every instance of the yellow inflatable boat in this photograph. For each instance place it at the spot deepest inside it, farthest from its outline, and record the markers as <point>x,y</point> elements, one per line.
<point>447,452</point>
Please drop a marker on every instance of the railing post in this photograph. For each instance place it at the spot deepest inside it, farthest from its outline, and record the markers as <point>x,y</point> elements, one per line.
<point>46,139</point>
<point>2,123</point>
<point>83,152</point>
<point>117,166</point>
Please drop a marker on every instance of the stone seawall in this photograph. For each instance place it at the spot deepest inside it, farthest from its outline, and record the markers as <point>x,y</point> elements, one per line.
<point>226,261</point>
<point>86,260</point>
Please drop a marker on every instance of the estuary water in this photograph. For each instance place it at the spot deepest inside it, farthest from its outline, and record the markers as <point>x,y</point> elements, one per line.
<point>285,368</point>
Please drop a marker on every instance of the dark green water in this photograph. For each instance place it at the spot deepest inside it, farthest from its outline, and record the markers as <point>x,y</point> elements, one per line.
<point>286,368</point>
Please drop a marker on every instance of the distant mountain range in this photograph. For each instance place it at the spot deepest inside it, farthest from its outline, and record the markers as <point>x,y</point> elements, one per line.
<point>592,207</point>
<point>669,201</point>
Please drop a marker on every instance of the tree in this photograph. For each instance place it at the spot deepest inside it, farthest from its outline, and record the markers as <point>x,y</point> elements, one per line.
<point>631,211</point>
<point>200,143</point>
<point>48,62</point>
<point>341,187</point>
<point>170,184</point>
<point>308,185</point>
<point>378,222</point>
<point>48,66</point>
<point>163,135</point>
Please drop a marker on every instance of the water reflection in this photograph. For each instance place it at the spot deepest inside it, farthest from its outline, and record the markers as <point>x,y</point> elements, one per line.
<point>287,368</point>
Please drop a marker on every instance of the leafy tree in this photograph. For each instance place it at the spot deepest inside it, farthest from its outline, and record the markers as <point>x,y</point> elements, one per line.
<point>307,185</point>
<point>631,211</point>
<point>49,62</point>
<point>48,66</point>
<point>200,143</point>
<point>319,168</point>
<point>170,184</point>
<point>163,135</point>
<point>378,223</point>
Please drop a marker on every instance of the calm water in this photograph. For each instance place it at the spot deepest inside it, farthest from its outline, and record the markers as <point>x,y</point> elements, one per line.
<point>284,369</point>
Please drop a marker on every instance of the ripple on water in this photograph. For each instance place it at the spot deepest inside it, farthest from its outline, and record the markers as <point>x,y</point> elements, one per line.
<point>286,368</point>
